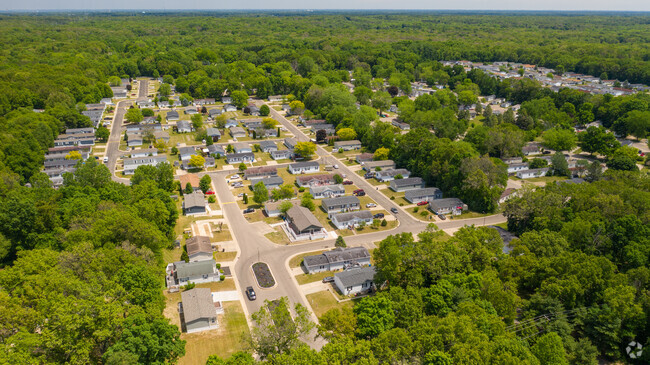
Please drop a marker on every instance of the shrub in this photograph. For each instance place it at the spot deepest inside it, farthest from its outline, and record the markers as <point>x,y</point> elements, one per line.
<point>222,277</point>
<point>415,210</point>
<point>212,199</point>
<point>424,213</point>
<point>301,189</point>
<point>401,204</point>
<point>218,265</point>
<point>384,223</point>
<point>392,198</point>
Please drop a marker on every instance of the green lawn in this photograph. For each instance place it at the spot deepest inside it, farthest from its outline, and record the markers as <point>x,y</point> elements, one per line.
<point>399,196</point>
<point>225,341</point>
<point>224,256</point>
<point>310,278</point>
<point>323,301</point>
<point>429,217</point>
<point>278,237</point>
<point>296,261</point>
<point>545,179</point>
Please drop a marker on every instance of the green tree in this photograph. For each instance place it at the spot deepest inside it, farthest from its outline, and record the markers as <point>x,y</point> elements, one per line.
<point>205,183</point>
<point>381,100</point>
<point>275,331</point>
<point>549,350</point>
<point>381,154</point>
<point>338,179</point>
<point>102,133</point>
<point>305,149</point>
<point>296,107</point>
<point>560,165</point>
<point>197,121</point>
<point>346,134</point>
<point>285,191</point>
<point>598,140</point>
<point>284,207</point>
<point>133,115</point>
<point>265,110</point>
<point>559,139</point>
<point>594,172</point>
<point>307,201</point>
<point>537,163</point>
<point>239,98</point>
<point>245,198</point>
<point>269,123</point>
<point>260,193</point>
<point>374,316</point>
<point>340,242</point>
<point>164,90</point>
<point>188,188</point>
<point>197,161</point>
<point>242,167</point>
<point>146,112</point>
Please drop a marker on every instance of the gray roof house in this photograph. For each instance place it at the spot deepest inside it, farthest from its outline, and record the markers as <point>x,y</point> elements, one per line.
<point>281,154</point>
<point>215,150</point>
<point>79,130</point>
<point>195,271</point>
<point>408,183</point>
<point>304,167</point>
<point>252,123</point>
<point>355,280</point>
<point>172,115</point>
<point>447,205</point>
<point>389,174</point>
<point>213,133</point>
<point>420,195</point>
<point>347,145</point>
<point>231,123</point>
<point>340,205</point>
<point>384,165</point>
<point>194,203</point>
<point>226,99</point>
<point>327,191</point>
<point>240,157</point>
<point>184,153</point>
<point>351,219</point>
<point>131,164</point>
<point>144,152</point>
<point>271,183</point>
<point>262,171</point>
<point>290,143</point>
<point>199,248</point>
<point>527,174</point>
<point>516,167</point>
<point>364,157</point>
<point>229,108</point>
<point>183,126</point>
<point>302,224</point>
<point>237,132</point>
<point>242,147</point>
<point>215,112</point>
<point>198,310</point>
<point>133,139</point>
<point>336,259</point>
<point>268,146</point>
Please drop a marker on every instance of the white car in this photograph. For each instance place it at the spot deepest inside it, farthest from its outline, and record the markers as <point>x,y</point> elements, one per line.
<point>234,177</point>
<point>336,166</point>
<point>105,159</point>
<point>371,205</point>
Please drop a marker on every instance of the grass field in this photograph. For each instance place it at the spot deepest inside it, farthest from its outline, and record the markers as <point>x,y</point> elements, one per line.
<point>323,301</point>
<point>310,278</point>
<point>228,339</point>
<point>224,256</point>
<point>278,237</point>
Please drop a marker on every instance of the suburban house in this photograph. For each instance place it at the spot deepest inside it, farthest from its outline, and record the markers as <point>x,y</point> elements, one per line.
<point>242,148</point>
<point>447,205</point>
<point>252,123</point>
<point>272,209</point>
<point>421,195</point>
<point>315,180</point>
<point>355,280</point>
<point>195,271</point>
<point>198,310</point>
<point>527,174</point>
<point>215,150</point>
<point>511,160</point>
<point>263,132</point>
<point>337,259</point>
<point>340,205</point>
<point>530,149</point>
<point>59,164</point>
<point>144,152</point>
<point>199,248</point>
<point>383,165</point>
<point>290,143</point>
<point>201,102</point>
<point>364,157</point>
<point>275,98</point>
<point>161,135</point>
<point>229,108</point>
<point>281,154</point>
<point>209,162</point>
<point>347,145</point>
<point>390,174</point>
<point>130,164</point>
<point>231,123</point>
<point>507,194</point>
<point>268,146</point>
<point>191,111</point>
<point>133,139</point>
<point>183,126</point>
<point>146,104</point>
<point>193,179</point>
<point>79,130</point>
<point>213,133</point>
<point>215,112</point>
<point>304,167</point>
<point>172,115</point>
<point>516,167</point>
<point>270,183</point>
<point>351,220</point>
<point>328,128</point>
<point>401,125</point>
<point>262,171</point>
<point>226,99</point>
<point>301,224</point>
<point>185,153</point>
<point>240,157</point>
<point>409,183</point>
<point>327,191</point>
<point>194,203</point>
<point>237,132</point>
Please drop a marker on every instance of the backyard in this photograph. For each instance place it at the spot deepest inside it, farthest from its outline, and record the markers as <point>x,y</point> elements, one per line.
<point>323,301</point>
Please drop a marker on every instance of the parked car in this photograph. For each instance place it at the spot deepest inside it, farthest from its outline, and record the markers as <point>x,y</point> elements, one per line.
<point>234,177</point>
<point>249,210</point>
<point>336,166</point>
<point>371,205</point>
<point>394,210</point>
<point>250,293</point>
<point>347,182</point>
<point>369,175</point>
<point>358,191</point>
<point>328,279</point>
<point>105,159</point>
<point>378,216</point>
<point>361,193</point>
<point>209,192</point>
<point>424,202</point>
<point>442,216</point>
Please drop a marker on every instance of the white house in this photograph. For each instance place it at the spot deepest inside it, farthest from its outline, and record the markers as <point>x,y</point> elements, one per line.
<point>355,280</point>
<point>351,220</point>
<point>304,167</point>
<point>131,164</point>
<point>390,174</point>
<point>327,191</point>
<point>337,259</point>
<point>527,174</point>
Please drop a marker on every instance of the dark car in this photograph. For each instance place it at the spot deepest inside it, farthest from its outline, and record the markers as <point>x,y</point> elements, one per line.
<point>250,293</point>
<point>369,175</point>
<point>328,279</point>
<point>378,216</point>
<point>347,182</point>
<point>442,216</point>
<point>249,210</point>
<point>394,210</point>
<point>361,193</point>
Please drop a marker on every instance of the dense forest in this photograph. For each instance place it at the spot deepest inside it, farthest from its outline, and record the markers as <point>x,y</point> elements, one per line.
<point>82,277</point>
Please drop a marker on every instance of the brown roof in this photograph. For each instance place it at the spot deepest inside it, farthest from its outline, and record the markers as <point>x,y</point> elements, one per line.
<point>321,177</point>
<point>197,303</point>
<point>198,244</point>
<point>302,218</point>
<point>189,178</point>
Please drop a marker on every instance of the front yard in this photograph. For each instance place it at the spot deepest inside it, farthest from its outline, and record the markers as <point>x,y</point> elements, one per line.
<point>323,301</point>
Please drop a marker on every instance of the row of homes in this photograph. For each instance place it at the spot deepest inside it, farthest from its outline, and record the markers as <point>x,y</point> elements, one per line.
<point>357,275</point>
<point>69,147</point>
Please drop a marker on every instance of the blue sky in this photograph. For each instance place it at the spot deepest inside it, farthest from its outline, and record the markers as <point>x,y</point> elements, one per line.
<point>621,5</point>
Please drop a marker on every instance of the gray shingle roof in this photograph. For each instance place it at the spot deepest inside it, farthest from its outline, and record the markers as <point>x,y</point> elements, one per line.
<point>198,244</point>
<point>356,276</point>
<point>410,181</point>
<point>421,192</point>
<point>445,203</point>
<point>196,268</point>
<point>348,216</point>
<point>195,199</point>
<point>197,303</point>
<point>302,218</point>
<point>304,164</point>
<point>343,200</point>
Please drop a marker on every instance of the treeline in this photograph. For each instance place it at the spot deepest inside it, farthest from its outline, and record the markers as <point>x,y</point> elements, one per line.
<point>573,290</point>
